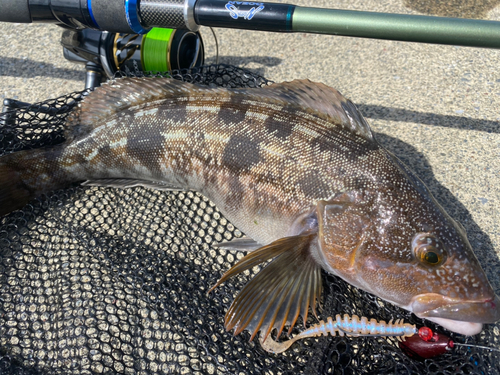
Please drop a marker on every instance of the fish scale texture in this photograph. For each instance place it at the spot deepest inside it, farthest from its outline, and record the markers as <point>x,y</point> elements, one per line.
<point>102,280</point>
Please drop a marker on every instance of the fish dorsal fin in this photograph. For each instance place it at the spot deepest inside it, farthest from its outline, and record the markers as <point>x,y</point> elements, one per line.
<point>280,292</point>
<point>118,95</point>
<point>324,102</point>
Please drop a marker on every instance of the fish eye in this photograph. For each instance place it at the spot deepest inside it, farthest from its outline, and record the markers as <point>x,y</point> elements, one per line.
<point>431,257</point>
<point>428,249</point>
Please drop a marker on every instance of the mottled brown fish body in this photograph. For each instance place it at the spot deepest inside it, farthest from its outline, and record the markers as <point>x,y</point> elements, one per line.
<point>261,161</point>
<point>297,169</point>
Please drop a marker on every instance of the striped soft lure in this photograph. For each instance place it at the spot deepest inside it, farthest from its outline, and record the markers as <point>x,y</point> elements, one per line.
<point>349,326</point>
<point>297,169</point>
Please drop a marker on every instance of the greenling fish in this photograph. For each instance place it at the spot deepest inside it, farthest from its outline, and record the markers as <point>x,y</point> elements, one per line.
<point>297,169</point>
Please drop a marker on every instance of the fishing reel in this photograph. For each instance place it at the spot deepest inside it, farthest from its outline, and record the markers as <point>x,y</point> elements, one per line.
<point>107,53</point>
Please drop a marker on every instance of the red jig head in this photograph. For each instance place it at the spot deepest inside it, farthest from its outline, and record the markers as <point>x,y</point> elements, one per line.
<point>426,344</point>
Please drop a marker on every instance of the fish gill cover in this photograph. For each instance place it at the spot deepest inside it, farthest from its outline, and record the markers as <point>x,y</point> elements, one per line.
<point>100,280</point>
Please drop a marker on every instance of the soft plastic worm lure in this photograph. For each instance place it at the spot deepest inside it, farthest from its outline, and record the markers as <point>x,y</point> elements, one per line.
<point>349,326</point>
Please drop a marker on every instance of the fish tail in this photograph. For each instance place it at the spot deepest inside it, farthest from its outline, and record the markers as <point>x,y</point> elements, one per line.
<point>14,194</point>
<point>25,175</point>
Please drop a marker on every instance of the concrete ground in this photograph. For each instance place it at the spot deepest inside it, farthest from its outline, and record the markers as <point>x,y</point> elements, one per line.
<point>435,106</point>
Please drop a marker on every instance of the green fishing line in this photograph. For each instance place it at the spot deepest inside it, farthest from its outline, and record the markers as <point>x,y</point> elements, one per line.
<point>155,49</point>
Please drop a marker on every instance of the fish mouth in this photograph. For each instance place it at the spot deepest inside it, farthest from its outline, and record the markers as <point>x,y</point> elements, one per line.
<point>464,317</point>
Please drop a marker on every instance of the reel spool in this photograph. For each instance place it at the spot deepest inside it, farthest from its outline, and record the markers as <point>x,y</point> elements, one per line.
<point>160,50</point>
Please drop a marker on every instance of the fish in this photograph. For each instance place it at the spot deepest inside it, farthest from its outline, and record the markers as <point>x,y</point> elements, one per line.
<point>293,165</point>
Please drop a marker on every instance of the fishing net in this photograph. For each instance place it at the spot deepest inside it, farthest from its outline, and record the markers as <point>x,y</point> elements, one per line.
<point>102,280</point>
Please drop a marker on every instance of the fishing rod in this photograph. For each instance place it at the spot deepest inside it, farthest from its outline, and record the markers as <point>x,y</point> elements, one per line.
<point>162,35</point>
<point>132,16</point>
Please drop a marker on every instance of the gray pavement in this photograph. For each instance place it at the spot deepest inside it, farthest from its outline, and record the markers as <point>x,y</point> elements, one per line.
<point>436,107</point>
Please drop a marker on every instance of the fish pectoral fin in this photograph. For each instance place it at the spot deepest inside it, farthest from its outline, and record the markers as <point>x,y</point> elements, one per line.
<point>280,292</point>
<point>125,183</point>
<point>240,244</point>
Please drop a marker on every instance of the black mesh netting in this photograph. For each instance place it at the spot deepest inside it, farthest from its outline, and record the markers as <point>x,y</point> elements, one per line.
<point>101,280</point>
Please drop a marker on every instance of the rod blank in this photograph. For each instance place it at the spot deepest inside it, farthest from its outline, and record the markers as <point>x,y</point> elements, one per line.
<point>402,27</point>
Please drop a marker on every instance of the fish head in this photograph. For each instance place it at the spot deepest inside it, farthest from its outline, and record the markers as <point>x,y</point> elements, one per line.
<point>417,258</point>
